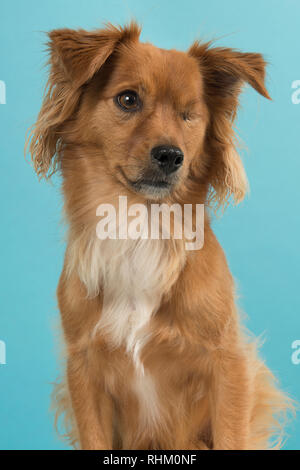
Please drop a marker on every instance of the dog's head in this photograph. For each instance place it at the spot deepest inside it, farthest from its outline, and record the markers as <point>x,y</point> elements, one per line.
<point>157,118</point>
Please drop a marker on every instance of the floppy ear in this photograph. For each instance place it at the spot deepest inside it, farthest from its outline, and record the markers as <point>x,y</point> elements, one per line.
<point>224,72</point>
<point>75,57</point>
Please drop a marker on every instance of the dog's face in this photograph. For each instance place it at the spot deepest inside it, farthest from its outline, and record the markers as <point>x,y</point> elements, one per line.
<point>146,112</point>
<point>158,120</point>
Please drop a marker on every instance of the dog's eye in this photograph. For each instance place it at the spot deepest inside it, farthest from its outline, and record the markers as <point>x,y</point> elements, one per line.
<point>186,116</point>
<point>128,100</point>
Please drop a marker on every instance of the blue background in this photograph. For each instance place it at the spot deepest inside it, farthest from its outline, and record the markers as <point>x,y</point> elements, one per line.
<point>260,237</point>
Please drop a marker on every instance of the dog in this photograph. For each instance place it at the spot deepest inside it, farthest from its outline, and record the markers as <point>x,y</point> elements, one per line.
<point>156,357</point>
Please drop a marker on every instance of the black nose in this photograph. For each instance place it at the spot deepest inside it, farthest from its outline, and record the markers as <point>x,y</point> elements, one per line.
<point>167,157</point>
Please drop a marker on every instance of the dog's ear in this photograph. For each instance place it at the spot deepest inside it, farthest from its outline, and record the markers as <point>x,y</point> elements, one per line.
<point>224,73</point>
<point>75,57</point>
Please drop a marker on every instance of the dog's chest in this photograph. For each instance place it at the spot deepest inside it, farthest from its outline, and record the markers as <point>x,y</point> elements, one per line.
<point>134,275</point>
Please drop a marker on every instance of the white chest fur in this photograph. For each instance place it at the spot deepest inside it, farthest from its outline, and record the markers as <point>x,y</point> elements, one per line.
<point>133,275</point>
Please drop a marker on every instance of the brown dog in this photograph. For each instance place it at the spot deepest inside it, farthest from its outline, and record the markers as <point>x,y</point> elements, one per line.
<point>155,355</point>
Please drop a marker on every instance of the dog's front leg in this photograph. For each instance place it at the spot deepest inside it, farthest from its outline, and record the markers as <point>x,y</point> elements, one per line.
<point>231,401</point>
<point>91,406</point>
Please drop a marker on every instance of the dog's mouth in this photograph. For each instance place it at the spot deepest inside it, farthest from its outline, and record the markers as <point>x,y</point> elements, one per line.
<point>151,183</point>
<point>153,186</point>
